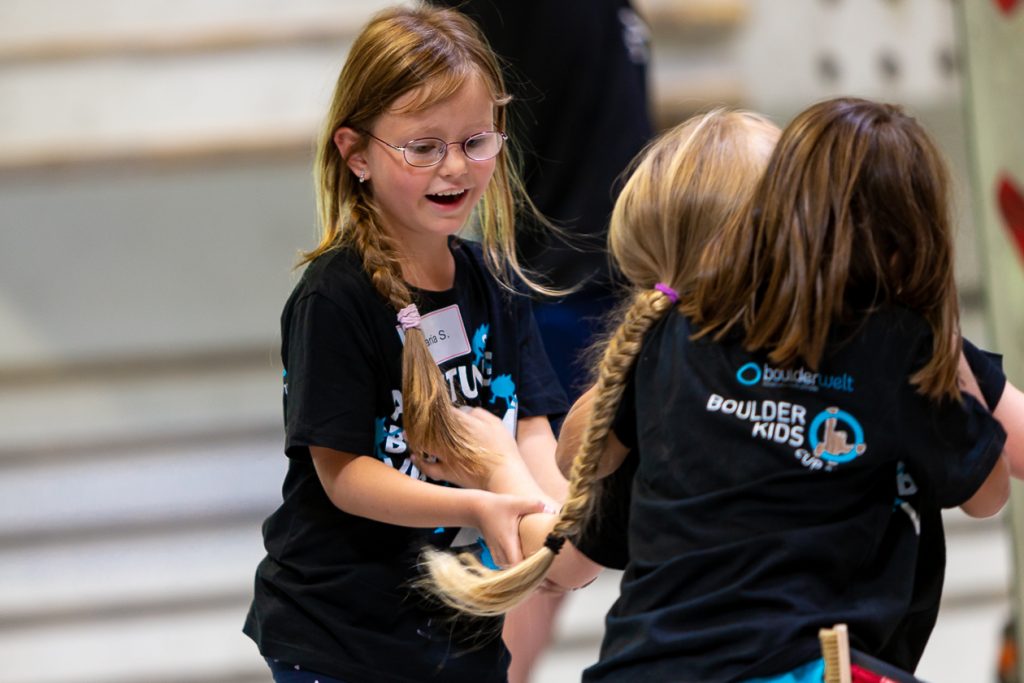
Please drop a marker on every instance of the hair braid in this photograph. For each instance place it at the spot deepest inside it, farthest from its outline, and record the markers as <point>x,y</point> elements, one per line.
<point>463,582</point>
<point>427,417</point>
<point>380,260</point>
<point>619,356</point>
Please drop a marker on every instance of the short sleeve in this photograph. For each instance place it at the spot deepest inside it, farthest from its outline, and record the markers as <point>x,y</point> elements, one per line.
<point>954,444</point>
<point>605,535</point>
<point>988,370</point>
<point>329,379</point>
<point>540,392</point>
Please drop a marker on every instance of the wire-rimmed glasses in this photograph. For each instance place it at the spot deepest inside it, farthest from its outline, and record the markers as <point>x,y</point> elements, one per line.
<point>430,151</point>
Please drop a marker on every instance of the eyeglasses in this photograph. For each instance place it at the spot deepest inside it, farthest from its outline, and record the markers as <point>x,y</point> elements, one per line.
<point>430,151</point>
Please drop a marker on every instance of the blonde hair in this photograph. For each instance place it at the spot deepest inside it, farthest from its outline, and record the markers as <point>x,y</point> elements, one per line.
<point>684,186</point>
<point>428,53</point>
<point>852,215</point>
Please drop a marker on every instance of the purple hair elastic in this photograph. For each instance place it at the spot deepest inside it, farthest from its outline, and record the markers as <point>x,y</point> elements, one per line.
<point>667,291</point>
<point>409,317</point>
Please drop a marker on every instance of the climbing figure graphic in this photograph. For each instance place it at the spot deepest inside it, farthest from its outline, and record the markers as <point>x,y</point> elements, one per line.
<point>835,442</point>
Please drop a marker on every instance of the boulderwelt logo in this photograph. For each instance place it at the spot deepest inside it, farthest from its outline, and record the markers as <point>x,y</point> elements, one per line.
<point>797,378</point>
<point>822,441</point>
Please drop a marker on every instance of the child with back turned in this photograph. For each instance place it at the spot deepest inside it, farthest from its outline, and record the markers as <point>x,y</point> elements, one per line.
<point>794,409</point>
<point>394,320</point>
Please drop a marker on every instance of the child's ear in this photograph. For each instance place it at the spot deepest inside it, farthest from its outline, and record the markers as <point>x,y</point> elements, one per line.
<point>348,141</point>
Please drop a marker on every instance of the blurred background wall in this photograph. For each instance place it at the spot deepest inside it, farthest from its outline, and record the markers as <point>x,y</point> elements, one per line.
<point>155,191</point>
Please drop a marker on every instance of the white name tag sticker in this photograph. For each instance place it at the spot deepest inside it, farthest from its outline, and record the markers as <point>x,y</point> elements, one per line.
<point>445,334</point>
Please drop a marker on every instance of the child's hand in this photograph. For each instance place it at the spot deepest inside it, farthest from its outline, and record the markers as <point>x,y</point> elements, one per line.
<point>498,521</point>
<point>489,433</point>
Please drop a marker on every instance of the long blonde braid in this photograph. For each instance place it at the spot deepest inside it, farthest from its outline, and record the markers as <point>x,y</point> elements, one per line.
<point>463,582</point>
<point>430,426</point>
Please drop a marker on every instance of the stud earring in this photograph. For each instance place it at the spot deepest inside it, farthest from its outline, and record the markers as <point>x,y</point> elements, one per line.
<point>362,176</point>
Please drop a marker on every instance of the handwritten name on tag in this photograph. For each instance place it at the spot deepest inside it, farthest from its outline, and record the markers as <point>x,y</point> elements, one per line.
<point>445,333</point>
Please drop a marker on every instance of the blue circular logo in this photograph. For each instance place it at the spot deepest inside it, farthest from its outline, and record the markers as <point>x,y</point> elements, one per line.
<point>749,374</point>
<point>836,447</point>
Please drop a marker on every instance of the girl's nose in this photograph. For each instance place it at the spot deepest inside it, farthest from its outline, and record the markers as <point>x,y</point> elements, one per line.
<point>455,162</point>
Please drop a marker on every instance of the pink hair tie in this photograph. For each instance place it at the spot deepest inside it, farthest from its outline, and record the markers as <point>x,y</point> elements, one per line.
<point>409,317</point>
<point>667,291</point>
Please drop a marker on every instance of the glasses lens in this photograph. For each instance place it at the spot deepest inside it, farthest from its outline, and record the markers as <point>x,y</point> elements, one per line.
<point>424,152</point>
<point>483,146</point>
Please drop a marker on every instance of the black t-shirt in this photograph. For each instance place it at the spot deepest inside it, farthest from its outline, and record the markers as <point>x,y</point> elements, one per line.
<point>770,502</point>
<point>578,72</point>
<point>332,593</point>
<point>605,541</point>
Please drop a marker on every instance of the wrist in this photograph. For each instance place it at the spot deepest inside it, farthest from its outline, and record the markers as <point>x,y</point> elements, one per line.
<point>478,501</point>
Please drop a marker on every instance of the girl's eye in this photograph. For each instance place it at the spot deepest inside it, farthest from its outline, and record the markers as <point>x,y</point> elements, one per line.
<point>423,147</point>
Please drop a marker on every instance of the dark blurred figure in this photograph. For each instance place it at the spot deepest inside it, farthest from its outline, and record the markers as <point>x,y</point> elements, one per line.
<point>577,70</point>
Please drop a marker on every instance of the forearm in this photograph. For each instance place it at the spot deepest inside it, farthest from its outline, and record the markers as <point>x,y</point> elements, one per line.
<point>537,447</point>
<point>515,479</point>
<point>368,488</point>
<point>571,568</point>
<point>571,435</point>
<point>570,440</point>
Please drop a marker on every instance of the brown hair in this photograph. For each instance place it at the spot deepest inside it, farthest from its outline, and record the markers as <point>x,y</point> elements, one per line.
<point>429,52</point>
<point>685,185</point>
<point>851,215</point>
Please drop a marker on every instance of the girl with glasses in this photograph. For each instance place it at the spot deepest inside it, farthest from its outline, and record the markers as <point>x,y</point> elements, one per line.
<point>394,321</point>
<point>793,400</point>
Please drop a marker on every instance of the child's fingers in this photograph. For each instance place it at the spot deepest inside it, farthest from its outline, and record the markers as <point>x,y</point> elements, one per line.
<point>476,414</point>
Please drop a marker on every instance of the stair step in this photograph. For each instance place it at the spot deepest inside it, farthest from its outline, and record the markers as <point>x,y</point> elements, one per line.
<point>110,578</point>
<point>138,415</point>
<point>182,648</point>
<point>55,504</point>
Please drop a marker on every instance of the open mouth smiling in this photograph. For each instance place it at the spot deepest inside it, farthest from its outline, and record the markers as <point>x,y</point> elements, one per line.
<point>447,198</point>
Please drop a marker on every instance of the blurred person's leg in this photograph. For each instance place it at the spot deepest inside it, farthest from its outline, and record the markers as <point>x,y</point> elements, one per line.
<point>568,328</point>
<point>528,630</point>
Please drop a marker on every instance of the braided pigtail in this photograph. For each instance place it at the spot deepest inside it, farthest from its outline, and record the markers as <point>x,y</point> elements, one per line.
<point>430,423</point>
<point>462,581</point>
<point>427,417</point>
